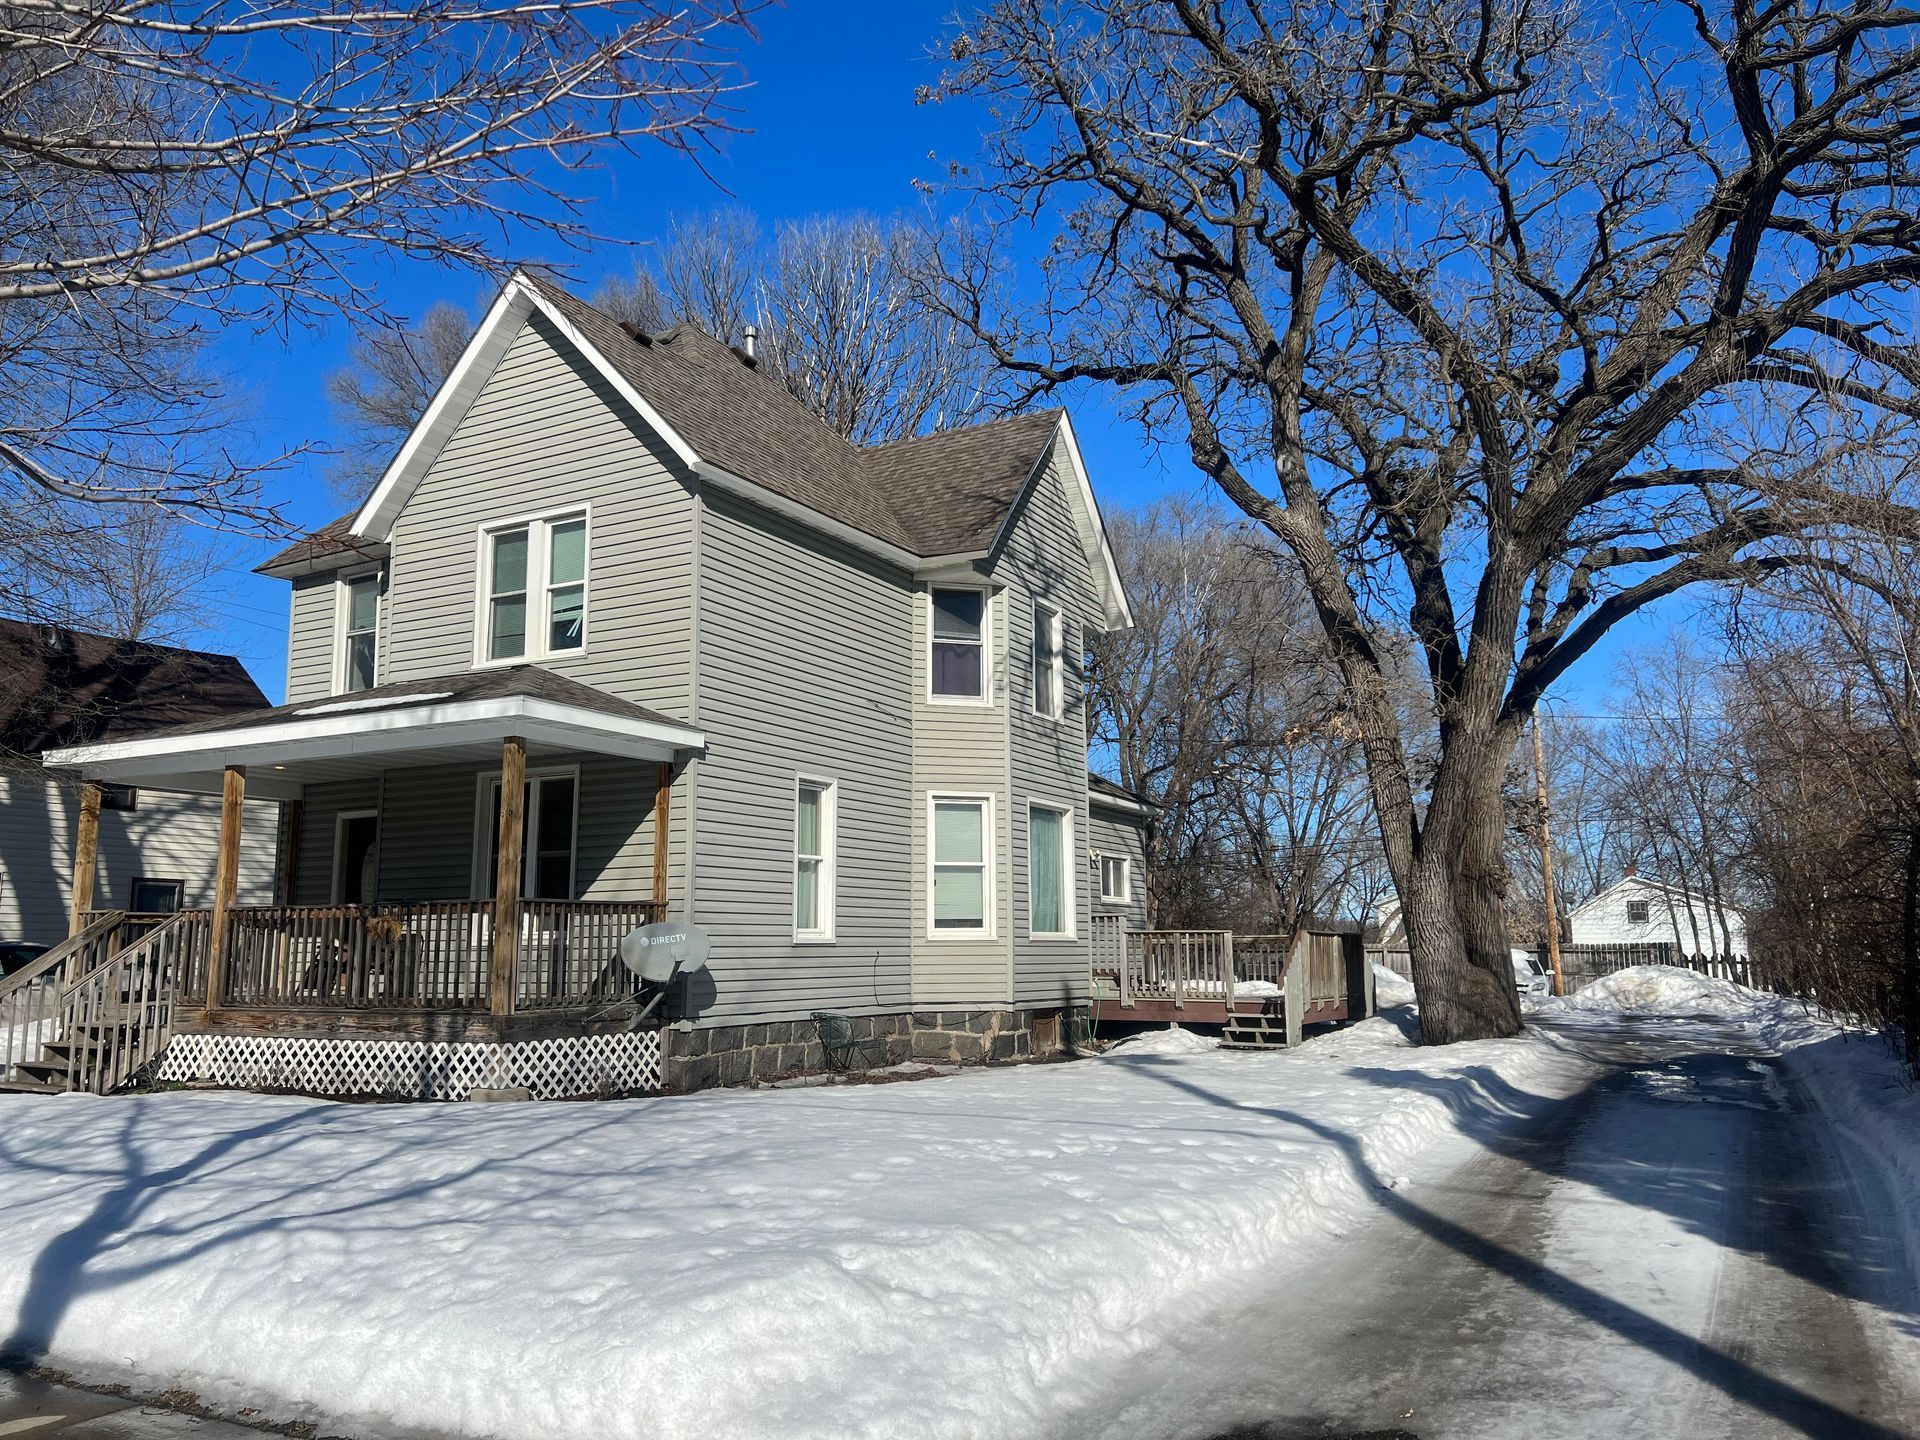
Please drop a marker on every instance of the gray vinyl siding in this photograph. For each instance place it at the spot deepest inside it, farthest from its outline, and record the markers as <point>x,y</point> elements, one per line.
<point>544,434</point>
<point>428,834</point>
<point>1112,832</point>
<point>313,659</point>
<point>1043,560</point>
<point>960,749</point>
<point>310,639</point>
<point>168,837</point>
<point>804,669</point>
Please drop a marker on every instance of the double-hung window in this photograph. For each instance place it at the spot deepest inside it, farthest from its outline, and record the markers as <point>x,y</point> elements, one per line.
<point>958,662</point>
<point>813,844</point>
<point>1049,872</point>
<point>359,632</point>
<point>535,589</point>
<point>1047,687</point>
<point>962,866</point>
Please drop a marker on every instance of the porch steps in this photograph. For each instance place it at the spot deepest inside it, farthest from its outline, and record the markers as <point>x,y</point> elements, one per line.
<point>1255,1032</point>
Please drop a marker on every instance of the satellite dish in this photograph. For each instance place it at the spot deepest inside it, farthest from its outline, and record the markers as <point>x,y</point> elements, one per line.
<point>658,952</point>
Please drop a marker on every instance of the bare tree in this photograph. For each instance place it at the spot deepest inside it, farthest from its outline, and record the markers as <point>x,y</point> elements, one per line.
<point>1220,706</point>
<point>171,170</point>
<point>1466,302</point>
<point>386,384</point>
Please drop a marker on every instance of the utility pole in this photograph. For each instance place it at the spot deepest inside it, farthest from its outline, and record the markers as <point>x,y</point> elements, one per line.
<point>1546,857</point>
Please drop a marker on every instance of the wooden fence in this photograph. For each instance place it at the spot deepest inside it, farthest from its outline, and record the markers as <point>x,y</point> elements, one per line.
<point>1581,965</point>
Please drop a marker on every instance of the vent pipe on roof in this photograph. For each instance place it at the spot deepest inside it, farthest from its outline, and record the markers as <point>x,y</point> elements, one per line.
<point>748,337</point>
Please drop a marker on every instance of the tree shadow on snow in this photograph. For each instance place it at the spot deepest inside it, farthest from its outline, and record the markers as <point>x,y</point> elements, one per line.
<point>1497,1114</point>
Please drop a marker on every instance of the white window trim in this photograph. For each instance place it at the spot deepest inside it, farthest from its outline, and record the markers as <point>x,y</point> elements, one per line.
<point>342,584</point>
<point>1059,627</point>
<point>989,864</point>
<point>484,783</point>
<point>985,698</point>
<point>539,529</point>
<point>1069,897</point>
<point>829,858</point>
<point>340,820</point>
<point>1125,897</point>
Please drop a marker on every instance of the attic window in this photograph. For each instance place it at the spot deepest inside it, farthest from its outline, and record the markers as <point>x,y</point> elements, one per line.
<point>1637,912</point>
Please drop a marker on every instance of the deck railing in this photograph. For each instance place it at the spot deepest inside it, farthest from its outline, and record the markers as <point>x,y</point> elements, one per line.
<point>1179,965</point>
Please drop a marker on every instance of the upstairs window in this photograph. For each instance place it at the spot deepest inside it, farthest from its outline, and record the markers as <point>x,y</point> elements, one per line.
<point>1637,912</point>
<point>534,586</point>
<point>1047,689</point>
<point>959,658</point>
<point>359,632</point>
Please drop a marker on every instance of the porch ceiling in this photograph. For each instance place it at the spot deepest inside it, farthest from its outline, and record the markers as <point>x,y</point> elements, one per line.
<point>456,720</point>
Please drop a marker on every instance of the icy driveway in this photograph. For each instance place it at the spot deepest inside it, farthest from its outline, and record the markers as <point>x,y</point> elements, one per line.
<point>961,1257</point>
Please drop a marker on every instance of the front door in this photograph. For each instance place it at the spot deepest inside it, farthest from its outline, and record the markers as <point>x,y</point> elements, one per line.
<point>356,859</point>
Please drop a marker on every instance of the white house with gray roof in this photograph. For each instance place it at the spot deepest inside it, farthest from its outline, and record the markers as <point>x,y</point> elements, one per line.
<point>822,701</point>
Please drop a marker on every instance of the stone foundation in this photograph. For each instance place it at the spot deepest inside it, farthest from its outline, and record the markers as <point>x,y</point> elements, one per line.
<point>698,1059</point>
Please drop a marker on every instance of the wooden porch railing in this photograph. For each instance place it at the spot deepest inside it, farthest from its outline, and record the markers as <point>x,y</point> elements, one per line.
<point>1179,965</point>
<point>30,998</point>
<point>119,1016</point>
<point>435,955</point>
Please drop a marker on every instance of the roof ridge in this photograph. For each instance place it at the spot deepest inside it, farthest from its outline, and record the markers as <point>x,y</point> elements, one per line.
<point>973,429</point>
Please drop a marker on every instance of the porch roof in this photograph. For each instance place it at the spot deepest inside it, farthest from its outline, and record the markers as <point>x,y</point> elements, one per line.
<point>445,719</point>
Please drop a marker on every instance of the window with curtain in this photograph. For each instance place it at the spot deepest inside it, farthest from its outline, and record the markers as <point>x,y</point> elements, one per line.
<point>1049,897</point>
<point>813,861</point>
<point>960,857</point>
<point>361,631</point>
<point>1046,661</point>
<point>536,589</point>
<point>959,667</point>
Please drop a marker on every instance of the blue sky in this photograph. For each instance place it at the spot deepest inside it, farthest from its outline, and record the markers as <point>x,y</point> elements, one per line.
<point>829,123</point>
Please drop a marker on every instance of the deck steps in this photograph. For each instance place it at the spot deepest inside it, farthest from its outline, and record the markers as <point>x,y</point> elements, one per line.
<point>1255,1031</point>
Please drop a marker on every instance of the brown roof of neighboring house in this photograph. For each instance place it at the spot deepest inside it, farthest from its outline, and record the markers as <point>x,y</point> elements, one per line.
<point>62,687</point>
<point>942,494</point>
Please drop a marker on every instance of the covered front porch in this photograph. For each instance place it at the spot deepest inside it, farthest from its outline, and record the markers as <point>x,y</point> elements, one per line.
<point>459,859</point>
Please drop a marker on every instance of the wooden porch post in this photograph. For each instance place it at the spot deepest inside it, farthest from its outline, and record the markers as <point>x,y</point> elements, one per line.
<point>662,830</point>
<point>506,880</point>
<point>86,856</point>
<point>226,879</point>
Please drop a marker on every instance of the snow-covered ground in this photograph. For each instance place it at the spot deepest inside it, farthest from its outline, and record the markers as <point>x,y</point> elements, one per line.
<point>982,1254</point>
<point>953,1257</point>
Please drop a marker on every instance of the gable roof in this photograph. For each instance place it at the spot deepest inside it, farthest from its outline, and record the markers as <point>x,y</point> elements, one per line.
<point>62,687</point>
<point>1666,889</point>
<point>937,498</point>
<point>321,549</point>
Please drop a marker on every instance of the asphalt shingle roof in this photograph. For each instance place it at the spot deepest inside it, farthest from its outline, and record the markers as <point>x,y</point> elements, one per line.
<point>62,687</point>
<point>941,494</point>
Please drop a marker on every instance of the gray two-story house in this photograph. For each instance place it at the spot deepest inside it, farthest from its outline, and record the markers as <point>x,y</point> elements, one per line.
<point>625,633</point>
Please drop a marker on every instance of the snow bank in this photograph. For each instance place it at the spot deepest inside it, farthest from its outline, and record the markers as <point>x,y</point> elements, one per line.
<point>1669,990</point>
<point>980,1255</point>
<point>1171,1041</point>
<point>1390,987</point>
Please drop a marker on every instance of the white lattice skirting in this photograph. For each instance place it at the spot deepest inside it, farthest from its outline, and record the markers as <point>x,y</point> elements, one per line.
<point>555,1069</point>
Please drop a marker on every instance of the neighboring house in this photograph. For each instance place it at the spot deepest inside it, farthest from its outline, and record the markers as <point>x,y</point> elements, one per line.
<point>60,687</point>
<point>1641,910</point>
<point>1118,825</point>
<point>823,701</point>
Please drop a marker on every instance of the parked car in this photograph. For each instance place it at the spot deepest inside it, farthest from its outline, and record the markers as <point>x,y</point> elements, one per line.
<point>1530,975</point>
<point>17,955</point>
